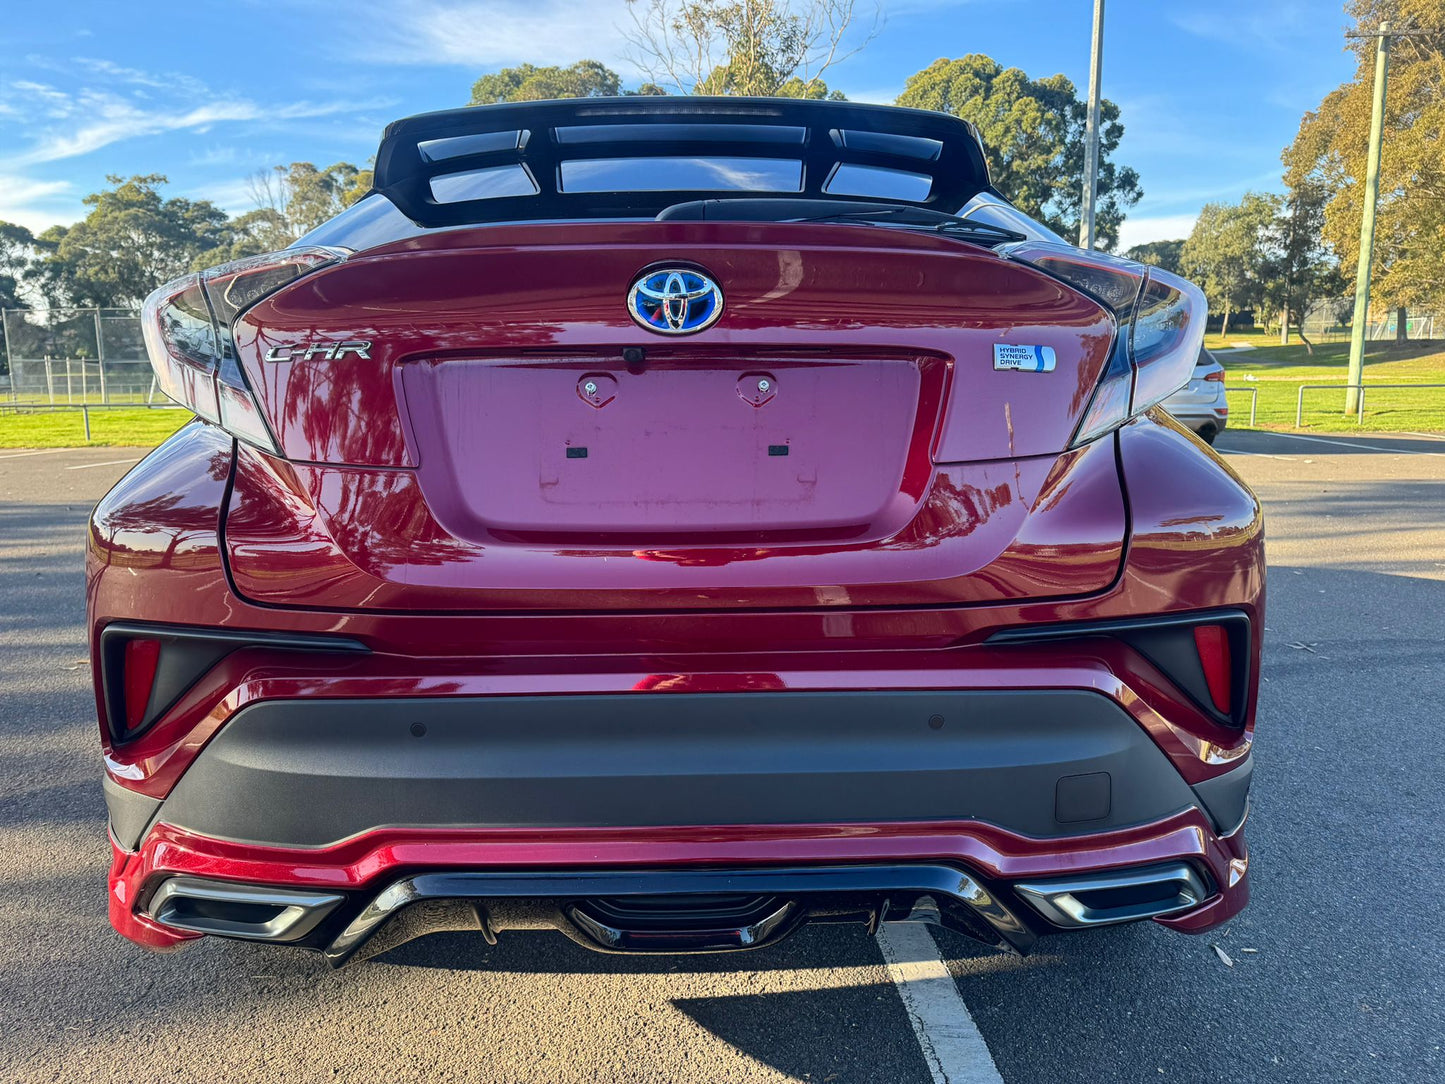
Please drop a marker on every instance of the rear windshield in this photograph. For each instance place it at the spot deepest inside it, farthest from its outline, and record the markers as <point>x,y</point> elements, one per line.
<point>677,174</point>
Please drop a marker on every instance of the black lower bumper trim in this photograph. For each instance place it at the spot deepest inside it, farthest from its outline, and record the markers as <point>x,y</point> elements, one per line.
<point>1038,762</point>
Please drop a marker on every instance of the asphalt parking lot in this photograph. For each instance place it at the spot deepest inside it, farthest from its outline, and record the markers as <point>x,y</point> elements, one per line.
<point>1337,967</point>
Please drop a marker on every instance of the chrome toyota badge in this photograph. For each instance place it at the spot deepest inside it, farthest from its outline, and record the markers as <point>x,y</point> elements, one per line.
<point>675,301</point>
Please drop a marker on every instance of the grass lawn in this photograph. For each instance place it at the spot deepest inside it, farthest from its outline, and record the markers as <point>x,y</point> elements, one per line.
<point>1277,371</point>
<point>66,428</point>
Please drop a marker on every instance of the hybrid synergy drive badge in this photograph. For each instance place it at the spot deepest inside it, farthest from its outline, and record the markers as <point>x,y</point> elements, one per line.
<point>1025,359</point>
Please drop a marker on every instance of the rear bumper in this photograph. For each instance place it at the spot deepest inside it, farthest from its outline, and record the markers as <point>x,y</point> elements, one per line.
<point>371,893</point>
<point>350,825</point>
<point>1198,415</point>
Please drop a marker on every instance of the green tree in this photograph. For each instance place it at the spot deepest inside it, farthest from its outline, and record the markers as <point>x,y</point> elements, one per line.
<point>1227,253</point>
<point>528,83</point>
<point>132,240</point>
<point>1302,267</point>
<point>288,202</point>
<point>17,254</point>
<point>1166,254</point>
<point>1333,141</point>
<point>1033,130</point>
<point>769,48</point>
<point>250,234</point>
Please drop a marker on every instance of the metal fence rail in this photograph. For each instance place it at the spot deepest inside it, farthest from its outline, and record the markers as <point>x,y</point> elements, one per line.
<point>1299,406</point>
<point>84,409</point>
<point>1253,390</point>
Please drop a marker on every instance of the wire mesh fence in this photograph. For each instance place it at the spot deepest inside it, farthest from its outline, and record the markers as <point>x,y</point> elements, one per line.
<point>75,356</point>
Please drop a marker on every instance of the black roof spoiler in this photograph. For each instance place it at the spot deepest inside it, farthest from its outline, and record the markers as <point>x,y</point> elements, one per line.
<point>541,136</point>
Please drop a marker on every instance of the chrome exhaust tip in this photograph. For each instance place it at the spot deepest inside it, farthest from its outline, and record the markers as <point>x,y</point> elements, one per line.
<point>1126,895</point>
<point>251,912</point>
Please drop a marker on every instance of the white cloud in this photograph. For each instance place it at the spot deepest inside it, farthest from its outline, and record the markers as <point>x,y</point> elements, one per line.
<point>234,197</point>
<point>1139,230</point>
<point>481,34</point>
<point>37,205</point>
<point>137,77</point>
<point>101,117</point>
<point>86,104</point>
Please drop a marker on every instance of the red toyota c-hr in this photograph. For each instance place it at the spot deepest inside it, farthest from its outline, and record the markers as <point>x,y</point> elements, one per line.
<point>671,521</point>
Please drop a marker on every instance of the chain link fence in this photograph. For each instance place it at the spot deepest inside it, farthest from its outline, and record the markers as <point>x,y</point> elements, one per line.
<point>76,356</point>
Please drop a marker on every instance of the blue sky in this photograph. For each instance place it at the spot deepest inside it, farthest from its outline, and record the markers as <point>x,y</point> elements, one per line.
<point>209,93</point>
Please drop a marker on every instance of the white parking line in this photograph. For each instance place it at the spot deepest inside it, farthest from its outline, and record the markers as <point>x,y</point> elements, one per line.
<point>107,463</point>
<point>1354,444</point>
<point>47,451</point>
<point>951,1045</point>
<point>1262,455</point>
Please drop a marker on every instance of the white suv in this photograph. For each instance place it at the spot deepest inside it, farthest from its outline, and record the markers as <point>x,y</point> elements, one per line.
<point>1201,404</point>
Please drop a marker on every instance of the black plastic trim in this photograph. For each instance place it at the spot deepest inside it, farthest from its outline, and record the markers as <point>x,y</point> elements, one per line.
<point>1154,638</point>
<point>310,772</point>
<point>1226,797</point>
<point>130,813</point>
<point>186,655</point>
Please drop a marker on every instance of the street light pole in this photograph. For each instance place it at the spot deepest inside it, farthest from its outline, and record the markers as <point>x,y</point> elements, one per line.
<point>1091,133</point>
<point>1367,226</point>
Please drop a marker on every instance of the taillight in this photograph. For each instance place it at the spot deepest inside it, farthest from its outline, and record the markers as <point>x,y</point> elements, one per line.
<point>138,678</point>
<point>1160,329</point>
<point>1212,643</point>
<point>1216,375</point>
<point>1207,655</point>
<point>187,327</point>
<point>146,669</point>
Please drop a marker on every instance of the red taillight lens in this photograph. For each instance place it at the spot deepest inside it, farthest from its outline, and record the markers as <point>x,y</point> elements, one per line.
<point>142,656</point>
<point>187,328</point>
<point>1112,281</point>
<point>1216,375</point>
<point>1212,643</point>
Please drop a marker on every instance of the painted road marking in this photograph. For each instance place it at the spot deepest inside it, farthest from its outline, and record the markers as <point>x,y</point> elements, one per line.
<point>950,1041</point>
<point>46,451</point>
<point>107,463</point>
<point>1356,444</point>
<point>1262,455</point>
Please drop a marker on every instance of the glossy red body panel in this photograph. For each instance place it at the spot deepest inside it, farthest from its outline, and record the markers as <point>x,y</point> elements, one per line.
<point>540,289</point>
<point>346,538</point>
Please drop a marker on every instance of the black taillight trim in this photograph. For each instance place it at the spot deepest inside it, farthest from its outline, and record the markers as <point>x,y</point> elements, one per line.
<point>186,655</point>
<point>1167,641</point>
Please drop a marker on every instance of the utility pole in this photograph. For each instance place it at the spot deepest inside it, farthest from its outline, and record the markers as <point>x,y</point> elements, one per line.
<point>1091,134</point>
<point>1367,226</point>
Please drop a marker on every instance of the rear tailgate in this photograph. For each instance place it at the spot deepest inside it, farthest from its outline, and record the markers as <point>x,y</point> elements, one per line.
<point>840,436</point>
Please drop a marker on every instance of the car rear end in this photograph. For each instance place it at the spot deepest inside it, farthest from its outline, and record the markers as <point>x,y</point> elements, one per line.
<point>476,603</point>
